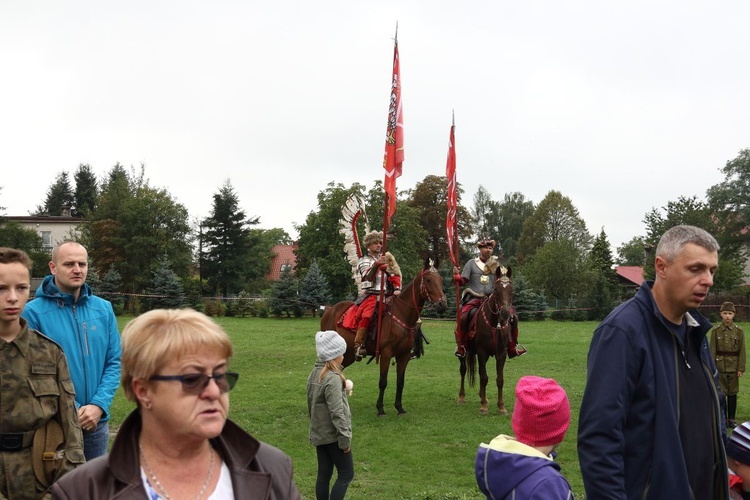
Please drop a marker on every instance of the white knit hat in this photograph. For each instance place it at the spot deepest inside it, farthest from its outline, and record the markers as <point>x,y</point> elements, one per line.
<point>330,345</point>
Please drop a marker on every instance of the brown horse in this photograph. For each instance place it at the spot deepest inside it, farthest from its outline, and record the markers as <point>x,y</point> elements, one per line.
<point>397,335</point>
<point>492,323</point>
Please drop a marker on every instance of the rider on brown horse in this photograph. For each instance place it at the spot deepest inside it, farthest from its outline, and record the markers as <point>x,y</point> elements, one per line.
<point>369,268</point>
<point>479,275</point>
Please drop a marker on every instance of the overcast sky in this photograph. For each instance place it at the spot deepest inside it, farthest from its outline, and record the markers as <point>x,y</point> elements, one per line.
<point>622,106</point>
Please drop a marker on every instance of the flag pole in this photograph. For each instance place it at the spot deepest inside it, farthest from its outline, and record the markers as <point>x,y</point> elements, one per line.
<point>451,223</point>
<point>392,161</point>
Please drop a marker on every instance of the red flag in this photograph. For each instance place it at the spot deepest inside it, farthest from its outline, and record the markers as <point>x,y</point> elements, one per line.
<point>394,140</point>
<point>450,220</point>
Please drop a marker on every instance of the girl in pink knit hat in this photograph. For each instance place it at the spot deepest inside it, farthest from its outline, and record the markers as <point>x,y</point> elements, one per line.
<point>523,467</point>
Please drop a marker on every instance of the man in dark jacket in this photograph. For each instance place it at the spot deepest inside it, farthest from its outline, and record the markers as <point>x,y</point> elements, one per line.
<point>650,424</point>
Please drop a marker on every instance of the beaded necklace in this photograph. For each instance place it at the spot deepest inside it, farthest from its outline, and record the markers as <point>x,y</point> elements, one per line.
<point>157,485</point>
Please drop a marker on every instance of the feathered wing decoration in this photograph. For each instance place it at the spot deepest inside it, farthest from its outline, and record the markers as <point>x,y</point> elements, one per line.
<point>353,208</point>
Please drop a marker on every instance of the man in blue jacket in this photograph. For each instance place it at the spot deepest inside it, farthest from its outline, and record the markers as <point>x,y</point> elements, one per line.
<point>66,310</point>
<point>650,425</point>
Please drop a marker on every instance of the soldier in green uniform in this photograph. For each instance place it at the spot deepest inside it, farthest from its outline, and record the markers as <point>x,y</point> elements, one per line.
<point>728,350</point>
<point>40,438</point>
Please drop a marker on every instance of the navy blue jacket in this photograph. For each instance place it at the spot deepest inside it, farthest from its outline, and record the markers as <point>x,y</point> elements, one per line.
<point>628,434</point>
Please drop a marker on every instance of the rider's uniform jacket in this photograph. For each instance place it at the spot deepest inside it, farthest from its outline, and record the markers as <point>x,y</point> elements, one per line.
<point>479,276</point>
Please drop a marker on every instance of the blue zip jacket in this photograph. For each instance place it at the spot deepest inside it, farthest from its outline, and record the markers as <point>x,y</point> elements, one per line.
<point>87,332</point>
<point>509,469</point>
<point>628,430</point>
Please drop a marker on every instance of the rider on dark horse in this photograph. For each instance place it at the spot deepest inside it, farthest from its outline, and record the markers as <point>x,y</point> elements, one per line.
<point>369,268</point>
<point>479,275</point>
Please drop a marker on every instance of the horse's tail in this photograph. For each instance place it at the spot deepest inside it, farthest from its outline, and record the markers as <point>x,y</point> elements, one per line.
<point>471,365</point>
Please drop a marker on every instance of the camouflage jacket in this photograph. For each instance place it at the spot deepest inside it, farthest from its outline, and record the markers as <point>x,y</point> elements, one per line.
<point>35,387</point>
<point>728,348</point>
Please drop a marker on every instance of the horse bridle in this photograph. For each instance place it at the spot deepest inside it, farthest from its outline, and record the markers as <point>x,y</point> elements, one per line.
<point>499,308</point>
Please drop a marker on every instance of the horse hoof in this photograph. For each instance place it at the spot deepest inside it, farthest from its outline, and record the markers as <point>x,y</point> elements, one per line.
<point>483,411</point>
<point>461,401</point>
<point>503,411</point>
<point>402,413</point>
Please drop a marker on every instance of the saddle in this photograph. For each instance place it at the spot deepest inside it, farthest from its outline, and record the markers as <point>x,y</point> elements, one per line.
<point>348,320</point>
<point>469,323</point>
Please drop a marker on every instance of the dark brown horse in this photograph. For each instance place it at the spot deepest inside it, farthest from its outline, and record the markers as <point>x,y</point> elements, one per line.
<point>397,335</point>
<point>493,323</point>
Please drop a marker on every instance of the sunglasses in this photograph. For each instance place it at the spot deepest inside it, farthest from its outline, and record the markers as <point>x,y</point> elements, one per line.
<point>196,383</point>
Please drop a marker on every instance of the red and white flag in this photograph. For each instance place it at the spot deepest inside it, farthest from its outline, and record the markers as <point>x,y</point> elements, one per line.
<point>450,220</point>
<point>394,140</point>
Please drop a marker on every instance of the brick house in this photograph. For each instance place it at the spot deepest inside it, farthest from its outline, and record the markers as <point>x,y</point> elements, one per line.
<point>283,258</point>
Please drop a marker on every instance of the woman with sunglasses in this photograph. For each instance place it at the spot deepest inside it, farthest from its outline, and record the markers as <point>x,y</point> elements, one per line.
<point>178,442</point>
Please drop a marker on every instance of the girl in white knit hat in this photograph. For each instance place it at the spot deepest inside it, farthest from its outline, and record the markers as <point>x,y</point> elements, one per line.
<point>330,418</point>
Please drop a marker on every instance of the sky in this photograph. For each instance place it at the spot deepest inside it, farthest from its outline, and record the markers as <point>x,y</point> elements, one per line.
<point>622,107</point>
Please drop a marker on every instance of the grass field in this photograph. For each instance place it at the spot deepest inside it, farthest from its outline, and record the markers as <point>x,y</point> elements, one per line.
<point>427,454</point>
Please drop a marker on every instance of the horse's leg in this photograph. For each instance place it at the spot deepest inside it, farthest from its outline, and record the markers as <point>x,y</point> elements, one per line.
<point>500,367</point>
<point>385,361</point>
<point>401,363</point>
<point>462,371</point>
<point>483,379</point>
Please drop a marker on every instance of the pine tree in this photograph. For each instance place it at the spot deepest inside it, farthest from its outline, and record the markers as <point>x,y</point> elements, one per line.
<point>111,284</point>
<point>226,242</point>
<point>314,289</point>
<point>530,305</point>
<point>59,195</point>
<point>86,191</point>
<point>285,296</point>
<point>165,287</point>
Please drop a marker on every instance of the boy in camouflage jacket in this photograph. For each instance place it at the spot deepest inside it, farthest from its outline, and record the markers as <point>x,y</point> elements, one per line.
<point>40,437</point>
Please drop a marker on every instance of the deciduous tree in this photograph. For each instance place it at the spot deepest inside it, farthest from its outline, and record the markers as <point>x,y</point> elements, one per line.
<point>695,212</point>
<point>632,253</point>
<point>13,235</point>
<point>133,226</point>
<point>554,219</point>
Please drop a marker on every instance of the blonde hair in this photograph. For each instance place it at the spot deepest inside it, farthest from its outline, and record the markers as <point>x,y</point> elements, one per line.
<point>332,366</point>
<point>152,339</point>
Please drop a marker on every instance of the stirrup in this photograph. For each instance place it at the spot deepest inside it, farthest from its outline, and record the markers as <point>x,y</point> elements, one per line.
<point>520,350</point>
<point>460,352</point>
<point>359,352</point>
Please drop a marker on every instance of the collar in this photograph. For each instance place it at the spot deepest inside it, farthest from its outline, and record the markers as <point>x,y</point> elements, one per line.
<point>236,448</point>
<point>22,340</point>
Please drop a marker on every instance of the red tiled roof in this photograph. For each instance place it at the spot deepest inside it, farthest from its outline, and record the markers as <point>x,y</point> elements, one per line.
<point>631,273</point>
<point>283,255</point>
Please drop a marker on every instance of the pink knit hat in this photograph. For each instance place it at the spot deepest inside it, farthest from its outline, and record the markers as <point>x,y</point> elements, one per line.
<point>542,413</point>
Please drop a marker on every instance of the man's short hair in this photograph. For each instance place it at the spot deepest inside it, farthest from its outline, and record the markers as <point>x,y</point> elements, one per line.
<point>672,241</point>
<point>11,255</point>
<point>56,248</point>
